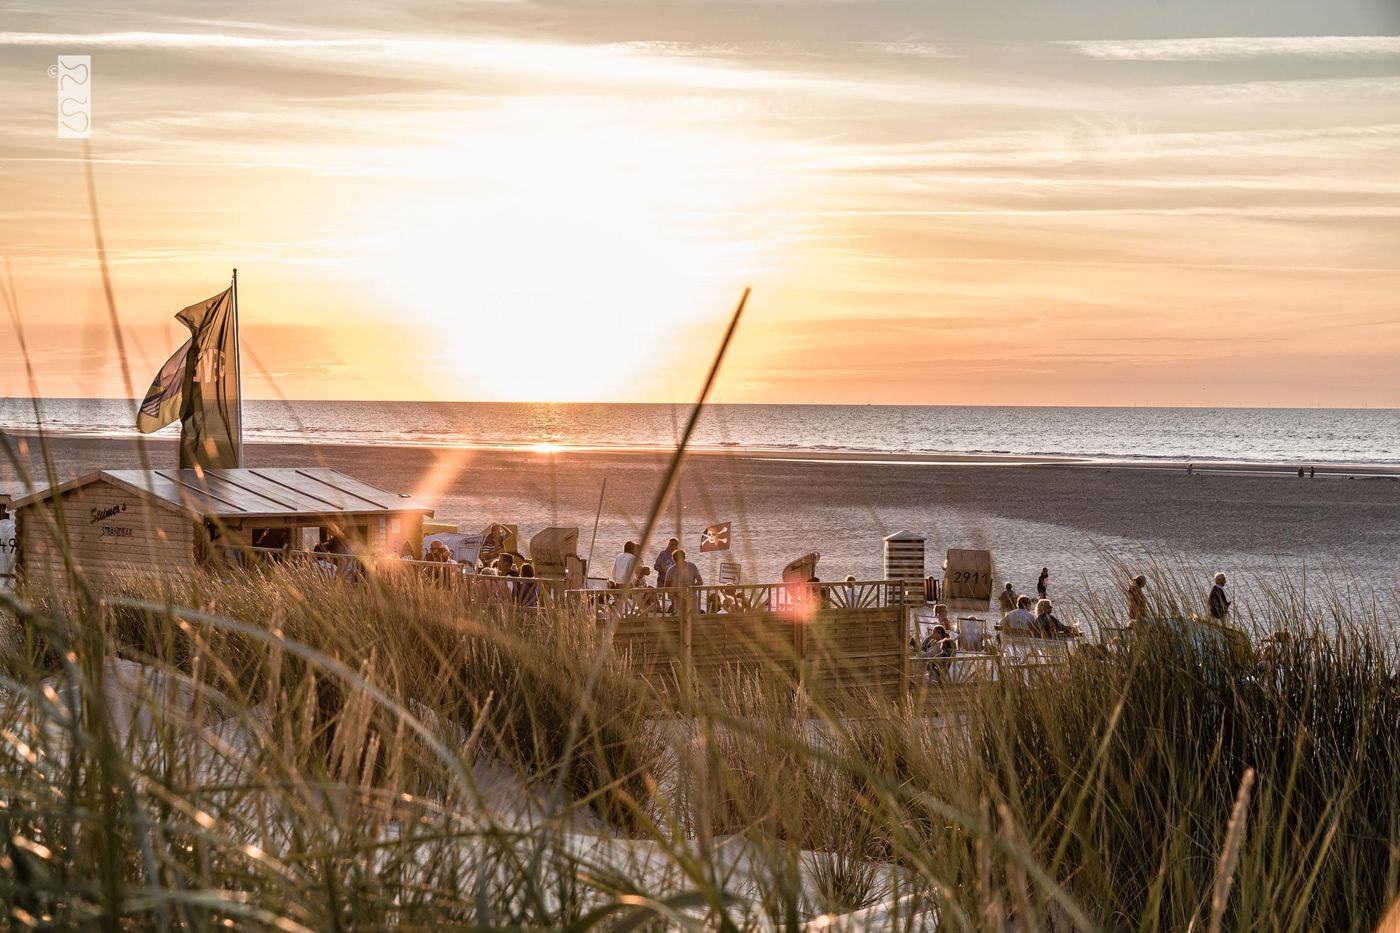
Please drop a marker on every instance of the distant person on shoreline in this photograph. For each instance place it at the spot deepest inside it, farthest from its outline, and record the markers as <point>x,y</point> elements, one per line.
<point>1042,585</point>
<point>624,566</point>
<point>1008,598</point>
<point>1312,472</point>
<point>1137,599</point>
<point>1300,472</point>
<point>1218,602</point>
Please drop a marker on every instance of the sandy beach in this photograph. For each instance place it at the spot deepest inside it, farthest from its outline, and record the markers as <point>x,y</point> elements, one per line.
<point>1252,521</point>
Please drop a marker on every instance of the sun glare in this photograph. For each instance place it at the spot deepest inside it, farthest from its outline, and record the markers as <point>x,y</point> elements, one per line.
<point>562,258</point>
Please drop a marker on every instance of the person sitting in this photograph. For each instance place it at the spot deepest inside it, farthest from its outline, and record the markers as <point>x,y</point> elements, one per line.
<point>624,566</point>
<point>1019,621</point>
<point>938,644</point>
<point>527,590</point>
<point>1045,624</point>
<point>1008,598</point>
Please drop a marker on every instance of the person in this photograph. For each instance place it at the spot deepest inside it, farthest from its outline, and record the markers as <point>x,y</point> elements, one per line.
<point>1008,598</point>
<point>624,566</point>
<point>1218,602</point>
<point>1042,586</point>
<point>438,553</point>
<point>1137,599</point>
<point>1045,624</point>
<point>527,590</point>
<point>1300,472</point>
<point>1019,620</point>
<point>683,572</point>
<point>938,644</point>
<point>665,561</point>
<point>505,566</point>
<point>1312,472</point>
<point>408,551</point>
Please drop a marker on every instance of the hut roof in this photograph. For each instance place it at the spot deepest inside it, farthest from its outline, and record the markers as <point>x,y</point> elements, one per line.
<point>247,493</point>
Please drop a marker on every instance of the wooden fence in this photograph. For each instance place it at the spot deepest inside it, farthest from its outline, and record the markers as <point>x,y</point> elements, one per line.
<point>839,644</point>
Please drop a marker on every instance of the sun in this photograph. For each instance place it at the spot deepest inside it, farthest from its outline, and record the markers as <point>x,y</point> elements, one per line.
<point>565,257</point>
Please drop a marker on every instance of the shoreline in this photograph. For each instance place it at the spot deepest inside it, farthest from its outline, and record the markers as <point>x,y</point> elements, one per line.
<point>787,454</point>
<point>1075,516</point>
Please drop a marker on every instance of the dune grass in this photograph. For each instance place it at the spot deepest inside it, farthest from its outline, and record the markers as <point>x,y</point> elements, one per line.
<point>292,753</point>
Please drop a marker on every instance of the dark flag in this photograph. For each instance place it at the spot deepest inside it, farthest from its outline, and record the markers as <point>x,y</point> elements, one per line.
<point>715,538</point>
<point>199,385</point>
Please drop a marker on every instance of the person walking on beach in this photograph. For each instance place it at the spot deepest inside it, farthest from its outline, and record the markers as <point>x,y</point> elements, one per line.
<point>624,566</point>
<point>1312,472</point>
<point>1042,586</point>
<point>1218,602</point>
<point>1137,599</point>
<point>1008,598</point>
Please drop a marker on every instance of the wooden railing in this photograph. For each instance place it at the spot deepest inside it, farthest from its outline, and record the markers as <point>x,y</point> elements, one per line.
<point>527,592</point>
<point>785,598</point>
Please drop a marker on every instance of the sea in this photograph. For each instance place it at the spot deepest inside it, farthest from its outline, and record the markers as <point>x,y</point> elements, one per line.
<point>1256,435</point>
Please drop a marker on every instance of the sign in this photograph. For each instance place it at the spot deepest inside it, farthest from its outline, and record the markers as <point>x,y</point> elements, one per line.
<point>7,546</point>
<point>729,573</point>
<point>715,538</point>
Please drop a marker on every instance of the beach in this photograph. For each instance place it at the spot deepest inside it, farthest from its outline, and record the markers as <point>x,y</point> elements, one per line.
<point>1255,522</point>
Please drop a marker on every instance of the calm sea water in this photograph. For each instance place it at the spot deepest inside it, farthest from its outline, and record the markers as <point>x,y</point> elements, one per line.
<point>1265,435</point>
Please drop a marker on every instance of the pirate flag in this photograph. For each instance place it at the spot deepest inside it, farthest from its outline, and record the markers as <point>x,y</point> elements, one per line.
<point>715,538</point>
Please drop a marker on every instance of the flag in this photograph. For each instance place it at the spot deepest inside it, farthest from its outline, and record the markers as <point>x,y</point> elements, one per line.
<point>199,385</point>
<point>715,538</point>
<point>165,398</point>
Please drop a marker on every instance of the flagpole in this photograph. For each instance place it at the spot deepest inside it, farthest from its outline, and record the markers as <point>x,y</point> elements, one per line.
<point>238,367</point>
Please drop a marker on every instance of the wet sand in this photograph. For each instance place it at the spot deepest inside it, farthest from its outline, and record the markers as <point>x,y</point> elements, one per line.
<point>1252,521</point>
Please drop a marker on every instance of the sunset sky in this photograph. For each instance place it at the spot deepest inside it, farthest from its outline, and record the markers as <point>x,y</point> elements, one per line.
<point>1187,202</point>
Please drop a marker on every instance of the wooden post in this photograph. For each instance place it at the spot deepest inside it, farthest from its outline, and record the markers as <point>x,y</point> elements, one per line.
<point>902,646</point>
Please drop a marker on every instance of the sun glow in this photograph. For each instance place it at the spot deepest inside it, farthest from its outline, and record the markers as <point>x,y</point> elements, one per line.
<point>563,257</point>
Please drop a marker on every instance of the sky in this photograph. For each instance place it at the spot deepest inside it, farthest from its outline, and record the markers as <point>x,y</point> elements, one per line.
<point>1060,202</point>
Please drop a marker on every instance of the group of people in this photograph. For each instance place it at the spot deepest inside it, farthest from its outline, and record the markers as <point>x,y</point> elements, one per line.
<point>672,567</point>
<point>520,584</point>
<point>1217,600</point>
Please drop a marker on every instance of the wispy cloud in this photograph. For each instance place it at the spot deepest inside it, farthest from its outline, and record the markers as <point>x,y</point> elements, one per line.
<point>1222,48</point>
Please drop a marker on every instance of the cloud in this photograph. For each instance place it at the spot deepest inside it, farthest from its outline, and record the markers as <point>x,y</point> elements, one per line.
<point>1223,48</point>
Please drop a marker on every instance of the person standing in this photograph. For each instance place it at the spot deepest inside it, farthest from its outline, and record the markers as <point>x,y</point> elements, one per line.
<point>1137,599</point>
<point>625,566</point>
<point>1042,585</point>
<point>1218,602</point>
<point>1008,598</point>
<point>665,560</point>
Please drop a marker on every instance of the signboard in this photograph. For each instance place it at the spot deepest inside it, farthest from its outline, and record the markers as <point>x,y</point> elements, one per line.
<point>7,547</point>
<point>729,573</point>
<point>715,538</point>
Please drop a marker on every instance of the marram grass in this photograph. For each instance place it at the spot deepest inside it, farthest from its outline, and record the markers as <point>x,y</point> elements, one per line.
<point>274,751</point>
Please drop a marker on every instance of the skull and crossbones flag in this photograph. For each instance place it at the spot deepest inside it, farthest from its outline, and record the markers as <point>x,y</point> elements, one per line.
<point>715,538</point>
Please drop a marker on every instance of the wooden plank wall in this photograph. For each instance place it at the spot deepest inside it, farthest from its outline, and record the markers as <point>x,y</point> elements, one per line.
<point>839,657</point>
<point>111,532</point>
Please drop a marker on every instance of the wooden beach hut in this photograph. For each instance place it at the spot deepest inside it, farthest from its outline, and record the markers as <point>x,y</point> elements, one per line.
<point>119,521</point>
